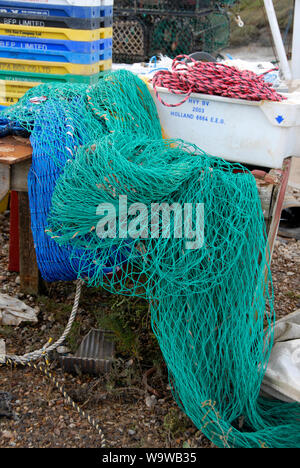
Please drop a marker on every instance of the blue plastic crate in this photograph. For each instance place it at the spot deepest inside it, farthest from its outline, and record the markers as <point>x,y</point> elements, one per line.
<point>40,45</point>
<point>46,9</point>
<point>65,56</point>
<point>68,57</point>
<point>84,3</point>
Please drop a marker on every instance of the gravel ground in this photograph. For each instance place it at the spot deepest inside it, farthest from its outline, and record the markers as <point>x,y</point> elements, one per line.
<point>129,419</point>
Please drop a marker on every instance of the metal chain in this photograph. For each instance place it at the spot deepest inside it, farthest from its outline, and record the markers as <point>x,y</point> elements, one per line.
<point>44,370</point>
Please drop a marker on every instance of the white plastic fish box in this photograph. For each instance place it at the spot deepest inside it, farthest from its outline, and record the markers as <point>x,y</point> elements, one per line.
<point>260,133</point>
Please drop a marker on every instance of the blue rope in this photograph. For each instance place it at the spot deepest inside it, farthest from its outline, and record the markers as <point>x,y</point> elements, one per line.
<point>55,262</point>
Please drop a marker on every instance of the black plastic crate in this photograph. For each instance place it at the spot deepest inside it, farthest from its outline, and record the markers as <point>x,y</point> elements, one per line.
<point>212,32</point>
<point>56,21</point>
<point>130,39</point>
<point>138,38</point>
<point>171,36</point>
<point>163,6</point>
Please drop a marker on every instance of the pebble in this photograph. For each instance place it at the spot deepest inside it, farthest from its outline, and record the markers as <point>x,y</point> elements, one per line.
<point>7,435</point>
<point>63,350</point>
<point>151,401</point>
<point>37,421</point>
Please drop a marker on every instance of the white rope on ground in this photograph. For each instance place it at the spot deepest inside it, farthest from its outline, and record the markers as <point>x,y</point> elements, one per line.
<point>28,358</point>
<point>47,348</point>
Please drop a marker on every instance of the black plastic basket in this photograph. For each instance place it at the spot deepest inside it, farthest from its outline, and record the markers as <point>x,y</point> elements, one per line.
<point>180,7</point>
<point>212,32</point>
<point>130,39</point>
<point>171,36</point>
<point>140,36</point>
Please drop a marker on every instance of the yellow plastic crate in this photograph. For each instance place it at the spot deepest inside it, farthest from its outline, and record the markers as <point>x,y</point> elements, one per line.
<point>56,33</point>
<point>105,65</point>
<point>13,100</point>
<point>12,91</point>
<point>52,68</point>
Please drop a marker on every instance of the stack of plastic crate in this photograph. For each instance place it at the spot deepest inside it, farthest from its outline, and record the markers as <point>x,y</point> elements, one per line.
<point>53,40</point>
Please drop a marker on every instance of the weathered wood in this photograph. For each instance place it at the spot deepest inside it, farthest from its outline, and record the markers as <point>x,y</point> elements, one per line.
<point>14,149</point>
<point>278,205</point>
<point>14,250</point>
<point>268,185</point>
<point>266,194</point>
<point>4,180</point>
<point>15,162</point>
<point>29,273</point>
<point>19,174</point>
<point>295,174</point>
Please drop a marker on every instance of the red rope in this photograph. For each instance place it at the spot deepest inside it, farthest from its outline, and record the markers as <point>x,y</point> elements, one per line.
<point>212,78</point>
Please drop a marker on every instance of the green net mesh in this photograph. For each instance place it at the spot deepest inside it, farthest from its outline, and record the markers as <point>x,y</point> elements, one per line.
<point>172,36</point>
<point>142,37</point>
<point>212,306</point>
<point>216,33</point>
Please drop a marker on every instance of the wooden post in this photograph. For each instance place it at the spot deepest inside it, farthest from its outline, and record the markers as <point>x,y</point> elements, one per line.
<point>4,180</point>
<point>15,162</point>
<point>29,272</point>
<point>14,252</point>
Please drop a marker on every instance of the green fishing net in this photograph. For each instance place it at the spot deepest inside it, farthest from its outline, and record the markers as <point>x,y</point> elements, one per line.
<point>209,289</point>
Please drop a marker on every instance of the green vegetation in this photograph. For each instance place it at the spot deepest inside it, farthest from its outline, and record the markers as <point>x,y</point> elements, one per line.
<point>129,321</point>
<point>176,422</point>
<point>256,27</point>
<point>6,331</point>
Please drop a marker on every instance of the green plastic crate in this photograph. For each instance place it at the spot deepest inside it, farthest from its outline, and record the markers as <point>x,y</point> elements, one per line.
<point>44,78</point>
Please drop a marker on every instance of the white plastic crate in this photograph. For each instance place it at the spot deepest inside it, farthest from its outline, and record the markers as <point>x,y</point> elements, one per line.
<point>258,133</point>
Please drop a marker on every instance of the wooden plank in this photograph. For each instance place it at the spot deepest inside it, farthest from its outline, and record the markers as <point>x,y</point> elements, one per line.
<point>14,250</point>
<point>4,180</point>
<point>19,175</point>
<point>278,205</point>
<point>14,149</point>
<point>294,180</point>
<point>29,273</point>
<point>268,186</point>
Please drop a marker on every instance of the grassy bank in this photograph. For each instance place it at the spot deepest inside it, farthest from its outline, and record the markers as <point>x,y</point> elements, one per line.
<point>256,27</point>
